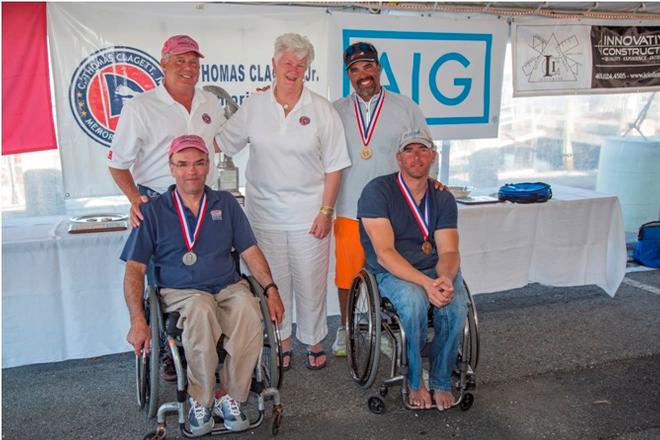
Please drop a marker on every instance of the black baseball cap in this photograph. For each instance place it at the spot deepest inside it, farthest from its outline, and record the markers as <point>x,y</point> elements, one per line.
<point>360,51</point>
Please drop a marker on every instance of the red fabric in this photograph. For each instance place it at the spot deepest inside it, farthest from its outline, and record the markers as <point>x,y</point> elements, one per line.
<point>27,118</point>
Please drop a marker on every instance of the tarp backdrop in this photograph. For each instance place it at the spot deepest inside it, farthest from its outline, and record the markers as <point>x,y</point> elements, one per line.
<point>105,53</point>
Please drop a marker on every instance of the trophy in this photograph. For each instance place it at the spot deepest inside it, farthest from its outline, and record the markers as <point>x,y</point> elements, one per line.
<point>227,171</point>
<point>228,175</point>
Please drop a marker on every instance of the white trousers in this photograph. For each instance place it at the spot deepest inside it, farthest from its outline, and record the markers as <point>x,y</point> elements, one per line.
<point>299,264</point>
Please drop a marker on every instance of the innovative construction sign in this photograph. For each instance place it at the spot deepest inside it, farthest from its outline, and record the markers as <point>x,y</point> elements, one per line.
<point>552,58</point>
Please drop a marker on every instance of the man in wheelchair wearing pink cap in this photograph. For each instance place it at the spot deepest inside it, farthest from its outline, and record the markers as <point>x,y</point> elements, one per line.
<point>190,231</point>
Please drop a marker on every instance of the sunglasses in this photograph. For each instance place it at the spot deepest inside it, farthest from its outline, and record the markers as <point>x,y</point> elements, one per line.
<point>357,48</point>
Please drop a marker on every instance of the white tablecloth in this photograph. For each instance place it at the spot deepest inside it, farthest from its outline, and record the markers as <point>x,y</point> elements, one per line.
<point>576,238</point>
<point>62,294</point>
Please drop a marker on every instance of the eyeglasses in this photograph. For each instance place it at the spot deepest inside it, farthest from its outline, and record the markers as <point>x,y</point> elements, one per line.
<point>185,165</point>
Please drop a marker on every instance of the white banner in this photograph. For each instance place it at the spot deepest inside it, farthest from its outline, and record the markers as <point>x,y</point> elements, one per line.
<point>105,53</point>
<point>550,59</point>
<point>580,57</point>
<point>451,68</point>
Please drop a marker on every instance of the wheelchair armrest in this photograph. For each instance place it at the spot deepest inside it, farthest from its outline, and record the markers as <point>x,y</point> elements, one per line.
<point>170,324</point>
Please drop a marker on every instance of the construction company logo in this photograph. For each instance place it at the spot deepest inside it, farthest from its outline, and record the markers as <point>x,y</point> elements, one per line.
<point>553,59</point>
<point>103,82</point>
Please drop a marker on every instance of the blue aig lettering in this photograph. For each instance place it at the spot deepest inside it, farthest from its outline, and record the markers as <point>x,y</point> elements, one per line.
<point>465,83</point>
<point>393,86</point>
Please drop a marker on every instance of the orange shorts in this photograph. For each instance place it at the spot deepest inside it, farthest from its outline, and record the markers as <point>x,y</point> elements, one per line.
<point>348,251</point>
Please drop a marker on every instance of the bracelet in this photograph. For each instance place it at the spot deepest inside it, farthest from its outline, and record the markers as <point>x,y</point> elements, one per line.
<point>268,286</point>
<point>327,210</point>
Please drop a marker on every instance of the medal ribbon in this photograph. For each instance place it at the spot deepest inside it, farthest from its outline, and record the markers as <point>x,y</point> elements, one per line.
<point>422,222</point>
<point>178,205</point>
<point>366,130</point>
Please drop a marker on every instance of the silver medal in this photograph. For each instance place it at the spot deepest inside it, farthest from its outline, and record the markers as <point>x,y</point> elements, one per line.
<point>189,258</point>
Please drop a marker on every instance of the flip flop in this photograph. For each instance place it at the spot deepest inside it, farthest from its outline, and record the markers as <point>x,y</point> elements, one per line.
<point>286,354</point>
<point>315,355</point>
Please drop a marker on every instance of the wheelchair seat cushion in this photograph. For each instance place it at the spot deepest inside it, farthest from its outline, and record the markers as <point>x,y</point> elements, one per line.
<point>170,324</point>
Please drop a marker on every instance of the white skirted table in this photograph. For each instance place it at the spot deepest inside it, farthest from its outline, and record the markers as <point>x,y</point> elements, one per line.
<point>574,239</point>
<point>62,294</point>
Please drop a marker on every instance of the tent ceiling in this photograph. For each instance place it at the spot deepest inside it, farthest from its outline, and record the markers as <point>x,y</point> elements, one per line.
<point>603,10</point>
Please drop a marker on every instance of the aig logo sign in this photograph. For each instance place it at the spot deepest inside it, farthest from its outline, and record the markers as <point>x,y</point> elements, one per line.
<point>447,74</point>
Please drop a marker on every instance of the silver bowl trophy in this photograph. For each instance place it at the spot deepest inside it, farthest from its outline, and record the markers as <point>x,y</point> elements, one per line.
<point>227,171</point>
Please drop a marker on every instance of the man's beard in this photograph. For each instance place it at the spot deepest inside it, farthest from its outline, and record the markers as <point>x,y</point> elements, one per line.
<point>367,92</point>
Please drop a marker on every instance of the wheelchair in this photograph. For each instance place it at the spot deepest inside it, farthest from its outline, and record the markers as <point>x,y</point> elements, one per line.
<point>371,317</point>
<point>165,336</point>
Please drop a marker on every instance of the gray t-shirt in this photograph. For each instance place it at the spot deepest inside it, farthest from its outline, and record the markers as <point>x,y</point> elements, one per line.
<point>398,115</point>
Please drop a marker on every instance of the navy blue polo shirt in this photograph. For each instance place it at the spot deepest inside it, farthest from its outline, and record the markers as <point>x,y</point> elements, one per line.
<point>225,227</point>
<point>382,198</point>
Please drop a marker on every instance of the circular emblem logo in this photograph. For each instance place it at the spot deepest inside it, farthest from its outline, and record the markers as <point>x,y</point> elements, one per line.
<point>304,120</point>
<point>103,82</point>
<point>206,118</point>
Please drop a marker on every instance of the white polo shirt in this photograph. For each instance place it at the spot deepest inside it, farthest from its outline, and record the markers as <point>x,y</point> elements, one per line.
<point>146,127</point>
<point>289,157</point>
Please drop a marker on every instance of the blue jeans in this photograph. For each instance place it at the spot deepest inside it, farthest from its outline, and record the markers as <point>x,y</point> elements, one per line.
<point>412,305</point>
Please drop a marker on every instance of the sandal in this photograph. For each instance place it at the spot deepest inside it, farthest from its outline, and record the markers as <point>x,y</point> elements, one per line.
<point>287,354</point>
<point>315,355</point>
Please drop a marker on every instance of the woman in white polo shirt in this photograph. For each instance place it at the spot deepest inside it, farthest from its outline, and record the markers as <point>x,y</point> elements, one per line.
<point>297,152</point>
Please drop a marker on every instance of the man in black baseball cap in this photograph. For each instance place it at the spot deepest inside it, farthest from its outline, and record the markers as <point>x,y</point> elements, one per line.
<point>374,120</point>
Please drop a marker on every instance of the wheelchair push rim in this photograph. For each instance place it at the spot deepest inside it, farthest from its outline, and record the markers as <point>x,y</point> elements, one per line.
<point>364,329</point>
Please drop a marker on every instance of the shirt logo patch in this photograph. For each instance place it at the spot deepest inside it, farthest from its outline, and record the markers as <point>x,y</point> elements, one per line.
<point>216,214</point>
<point>304,120</point>
<point>206,118</point>
<point>110,154</point>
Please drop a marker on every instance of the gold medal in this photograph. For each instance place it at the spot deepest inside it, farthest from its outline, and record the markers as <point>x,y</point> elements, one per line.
<point>427,247</point>
<point>366,153</point>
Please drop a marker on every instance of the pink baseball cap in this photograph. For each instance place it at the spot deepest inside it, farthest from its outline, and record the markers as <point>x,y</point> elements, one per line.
<point>178,44</point>
<point>187,141</point>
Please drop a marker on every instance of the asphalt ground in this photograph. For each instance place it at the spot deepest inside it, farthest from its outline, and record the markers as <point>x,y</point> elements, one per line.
<point>556,363</point>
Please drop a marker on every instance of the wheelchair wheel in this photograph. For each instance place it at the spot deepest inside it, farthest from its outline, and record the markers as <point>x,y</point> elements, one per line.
<point>271,362</point>
<point>364,327</point>
<point>469,350</point>
<point>153,358</point>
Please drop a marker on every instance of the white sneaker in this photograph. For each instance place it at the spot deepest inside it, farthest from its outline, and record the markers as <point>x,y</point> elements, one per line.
<point>200,421</point>
<point>339,346</point>
<point>229,410</point>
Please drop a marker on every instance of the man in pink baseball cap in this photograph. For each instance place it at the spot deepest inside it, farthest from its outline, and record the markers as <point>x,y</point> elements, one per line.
<point>138,159</point>
<point>148,123</point>
<point>190,231</point>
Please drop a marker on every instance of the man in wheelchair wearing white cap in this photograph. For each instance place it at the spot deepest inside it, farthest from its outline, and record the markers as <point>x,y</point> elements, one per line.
<point>190,230</point>
<point>410,236</point>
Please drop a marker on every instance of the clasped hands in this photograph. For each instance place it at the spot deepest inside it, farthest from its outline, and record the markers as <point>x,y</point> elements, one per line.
<point>440,291</point>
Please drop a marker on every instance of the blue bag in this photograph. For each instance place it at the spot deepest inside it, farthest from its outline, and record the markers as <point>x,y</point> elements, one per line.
<point>525,192</point>
<point>647,249</point>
